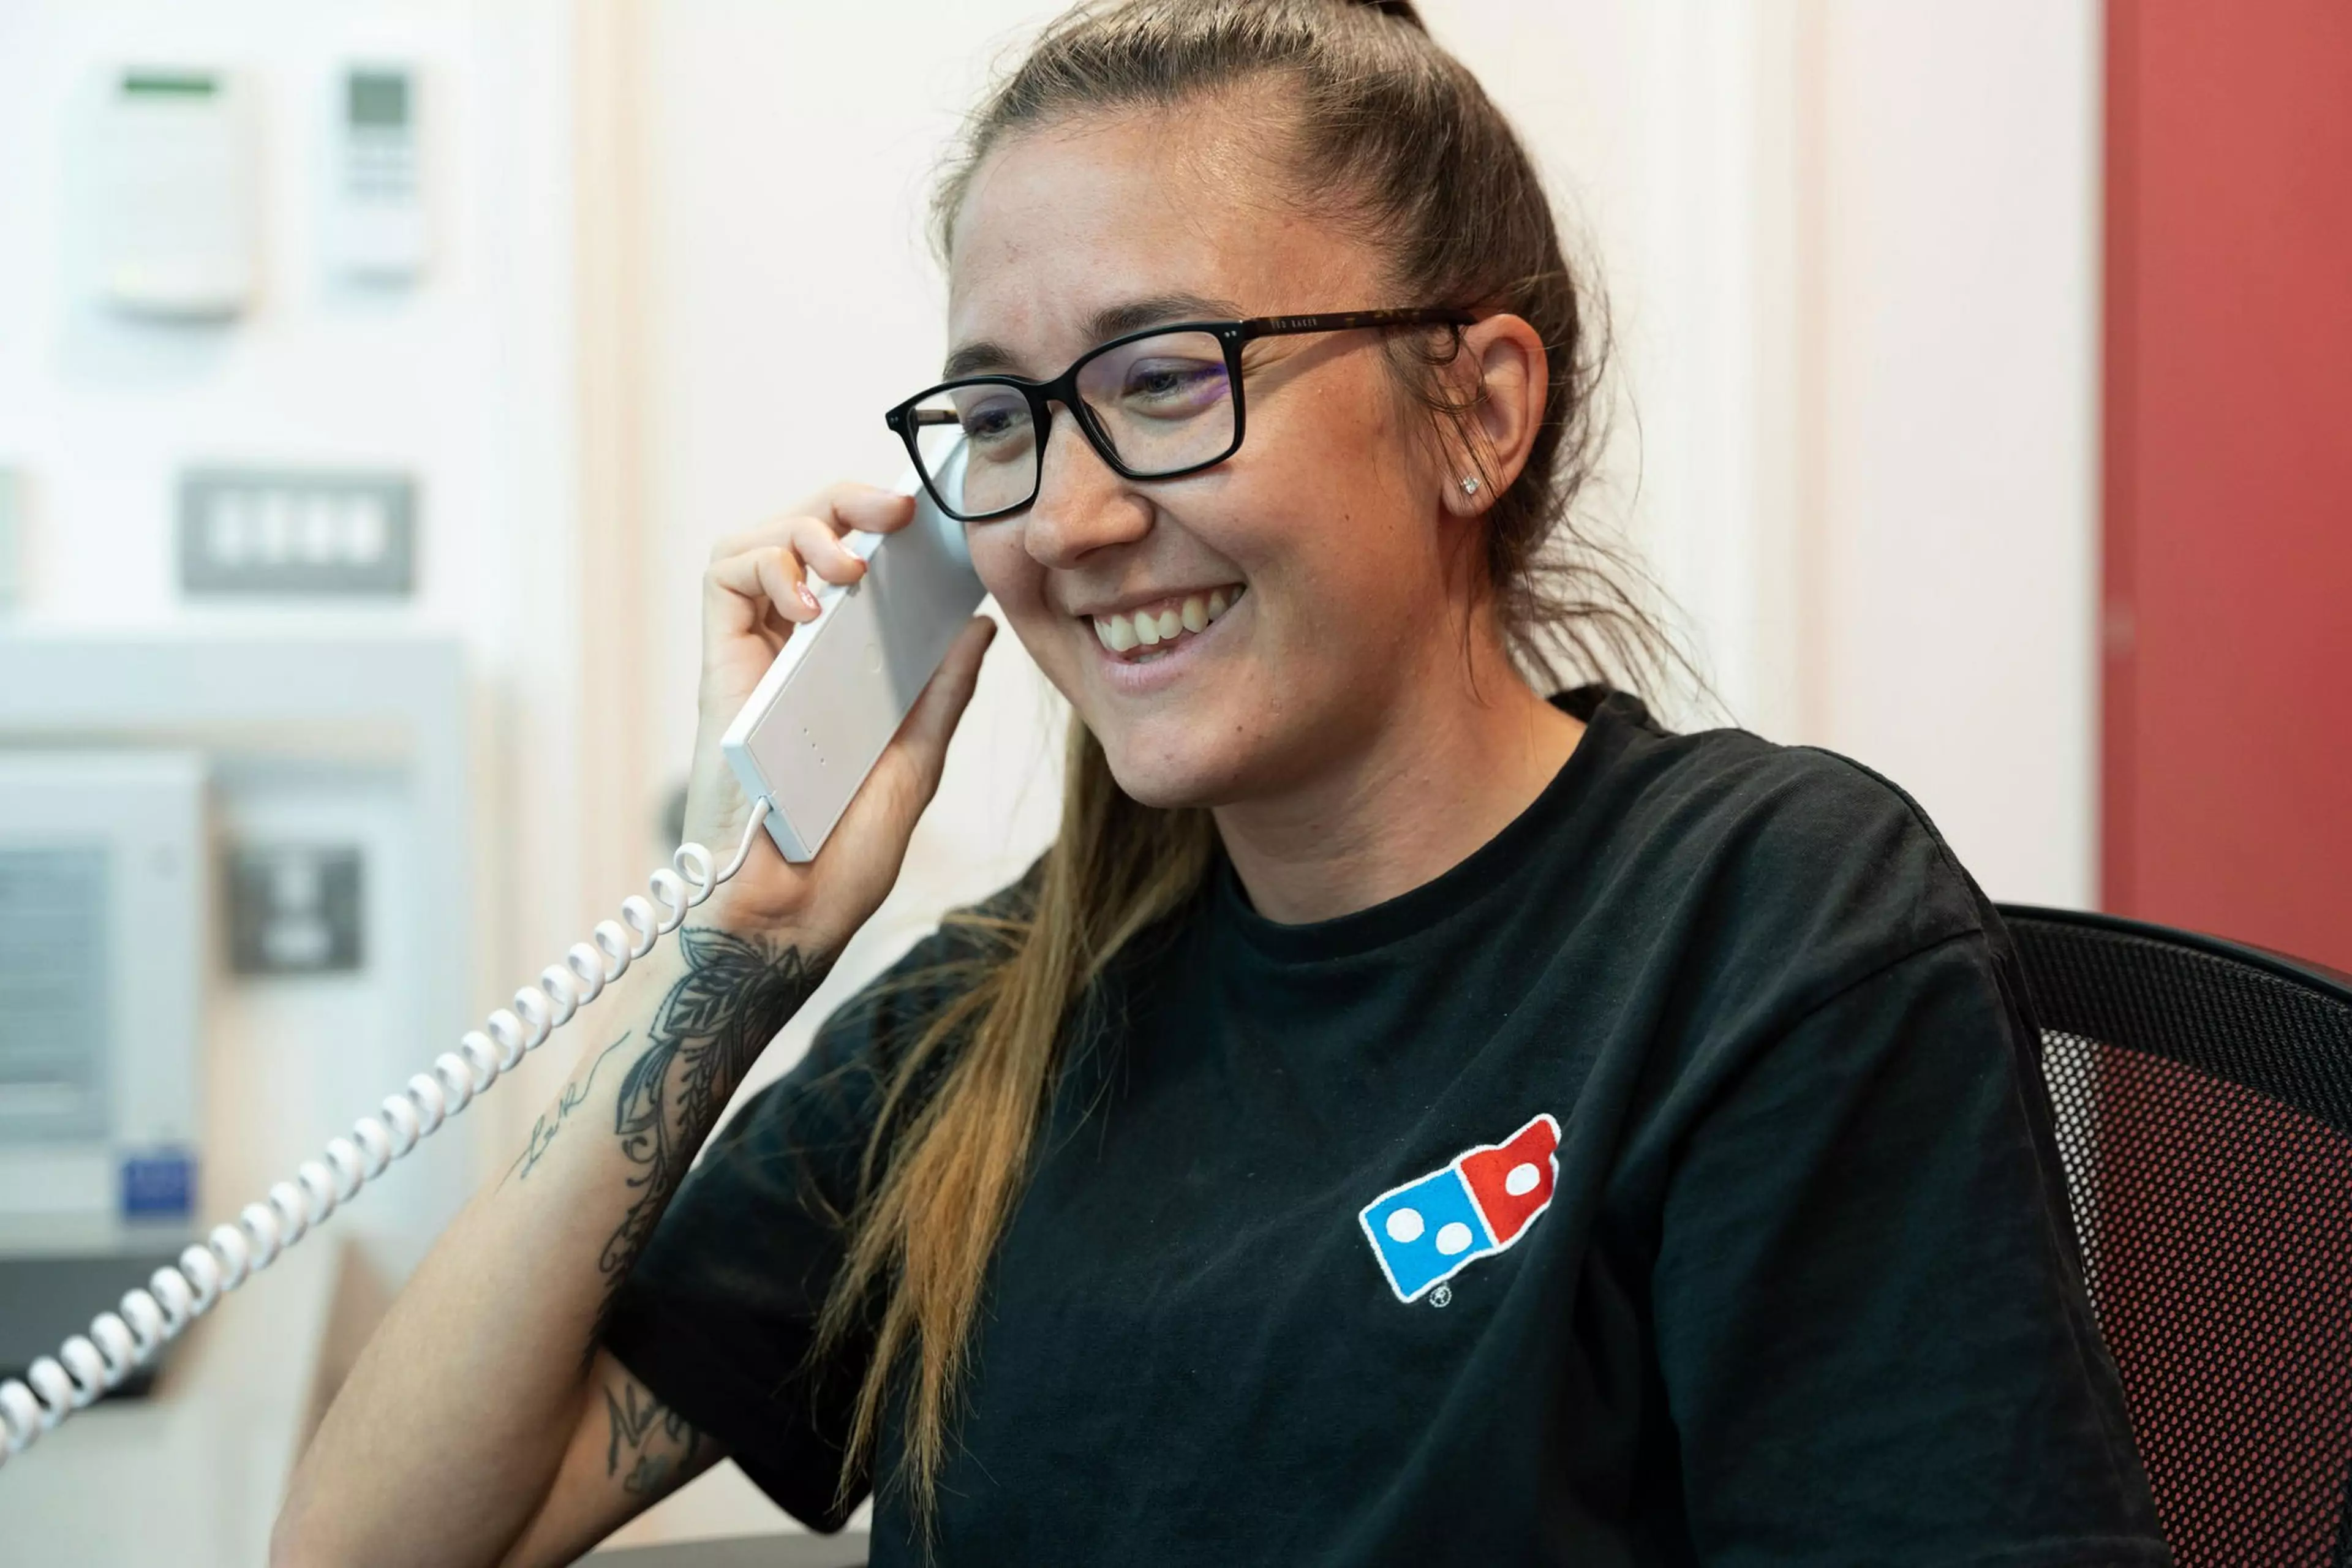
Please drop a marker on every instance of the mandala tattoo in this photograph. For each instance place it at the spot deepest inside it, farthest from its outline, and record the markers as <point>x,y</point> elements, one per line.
<point>734,996</point>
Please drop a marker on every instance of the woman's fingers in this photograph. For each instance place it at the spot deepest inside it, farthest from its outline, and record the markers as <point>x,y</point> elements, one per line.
<point>741,589</point>
<point>816,543</point>
<point>870,508</point>
<point>865,507</point>
<point>771,563</point>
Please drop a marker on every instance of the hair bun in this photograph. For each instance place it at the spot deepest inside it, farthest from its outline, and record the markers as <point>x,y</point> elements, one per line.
<point>1402,10</point>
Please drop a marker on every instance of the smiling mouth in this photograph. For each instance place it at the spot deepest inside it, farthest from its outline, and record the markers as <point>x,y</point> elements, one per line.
<point>1155,630</point>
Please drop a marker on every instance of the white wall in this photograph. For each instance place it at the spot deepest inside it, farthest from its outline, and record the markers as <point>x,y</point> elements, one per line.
<point>465,381</point>
<point>1954,586</point>
<point>1852,251</point>
<point>444,381</point>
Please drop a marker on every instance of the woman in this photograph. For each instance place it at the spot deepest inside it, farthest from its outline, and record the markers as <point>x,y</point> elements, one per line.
<point>1403,1118</point>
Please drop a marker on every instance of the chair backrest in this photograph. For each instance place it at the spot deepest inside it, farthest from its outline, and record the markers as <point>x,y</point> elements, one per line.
<point>2203,1093</point>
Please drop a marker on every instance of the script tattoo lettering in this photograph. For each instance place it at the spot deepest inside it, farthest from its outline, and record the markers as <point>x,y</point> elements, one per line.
<point>734,996</point>
<point>543,1131</point>
<point>651,1439</point>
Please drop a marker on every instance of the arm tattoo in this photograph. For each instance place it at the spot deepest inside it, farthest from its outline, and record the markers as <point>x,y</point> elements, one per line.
<point>733,997</point>
<point>543,1131</point>
<point>646,1437</point>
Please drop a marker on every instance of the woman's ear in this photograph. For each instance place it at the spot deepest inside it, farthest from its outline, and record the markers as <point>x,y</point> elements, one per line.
<point>1501,378</point>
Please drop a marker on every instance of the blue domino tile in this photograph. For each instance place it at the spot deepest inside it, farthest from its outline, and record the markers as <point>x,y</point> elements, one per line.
<point>1424,1231</point>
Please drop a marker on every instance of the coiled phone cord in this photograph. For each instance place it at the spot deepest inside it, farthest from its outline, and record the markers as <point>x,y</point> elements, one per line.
<point>118,1341</point>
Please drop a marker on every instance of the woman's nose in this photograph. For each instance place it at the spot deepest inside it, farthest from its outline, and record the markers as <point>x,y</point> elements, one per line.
<point>1082,505</point>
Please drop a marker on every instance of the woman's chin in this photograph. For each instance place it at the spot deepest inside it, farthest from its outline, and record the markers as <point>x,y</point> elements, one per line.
<point>1156,778</point>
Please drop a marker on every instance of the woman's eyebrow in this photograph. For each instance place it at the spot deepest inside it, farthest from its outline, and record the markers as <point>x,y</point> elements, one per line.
<point>985,357</point>
<point>1115,321</point>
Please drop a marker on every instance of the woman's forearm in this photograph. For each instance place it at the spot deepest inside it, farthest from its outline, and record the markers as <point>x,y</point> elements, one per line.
<point>445,1438</point>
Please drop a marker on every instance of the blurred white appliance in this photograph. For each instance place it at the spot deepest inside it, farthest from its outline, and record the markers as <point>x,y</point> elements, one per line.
<point>165,178</point>
<point>375,198</point>
<point>103,906</point>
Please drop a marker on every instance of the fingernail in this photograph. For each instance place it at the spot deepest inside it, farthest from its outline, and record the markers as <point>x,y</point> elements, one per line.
<point>807,598</point>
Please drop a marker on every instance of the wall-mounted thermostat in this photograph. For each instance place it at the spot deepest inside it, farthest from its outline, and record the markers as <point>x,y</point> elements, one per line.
<point>167,185</point>
<point>375,205</point>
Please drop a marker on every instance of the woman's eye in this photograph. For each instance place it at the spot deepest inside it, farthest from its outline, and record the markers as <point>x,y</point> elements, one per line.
<point>1175,385</point>
<point>995,422</point>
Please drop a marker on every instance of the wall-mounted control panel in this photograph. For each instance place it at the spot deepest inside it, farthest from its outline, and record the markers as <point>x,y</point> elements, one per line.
<point>166,186</point>
<point>251,531</point>
<point>376,210</point>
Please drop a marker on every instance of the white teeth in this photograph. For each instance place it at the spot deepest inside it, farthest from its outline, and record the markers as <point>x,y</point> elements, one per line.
<point>1120,634</point>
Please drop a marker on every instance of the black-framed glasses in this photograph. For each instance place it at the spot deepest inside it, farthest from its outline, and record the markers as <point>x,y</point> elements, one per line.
<point>1153,404</point>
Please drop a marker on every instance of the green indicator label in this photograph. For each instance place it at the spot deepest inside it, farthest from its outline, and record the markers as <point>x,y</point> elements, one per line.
<point>169,84</point>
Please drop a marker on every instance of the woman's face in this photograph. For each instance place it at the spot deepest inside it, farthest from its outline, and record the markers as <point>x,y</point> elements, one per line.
<point>1320,536</point>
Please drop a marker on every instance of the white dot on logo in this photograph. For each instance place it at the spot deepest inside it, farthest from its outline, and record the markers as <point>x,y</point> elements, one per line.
<point>1453,1238</point>
<point>1522,1179</point>
<point>1404,1225</point>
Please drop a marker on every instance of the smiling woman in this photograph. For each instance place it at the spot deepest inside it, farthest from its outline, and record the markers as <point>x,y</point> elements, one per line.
<point>1412,1112</point>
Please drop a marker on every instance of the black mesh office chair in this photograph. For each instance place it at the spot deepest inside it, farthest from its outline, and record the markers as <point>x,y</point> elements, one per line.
<point>2204,1101</point>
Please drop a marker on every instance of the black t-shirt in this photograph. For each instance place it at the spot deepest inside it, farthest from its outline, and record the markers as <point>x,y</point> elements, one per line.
<point>1670,1182</point>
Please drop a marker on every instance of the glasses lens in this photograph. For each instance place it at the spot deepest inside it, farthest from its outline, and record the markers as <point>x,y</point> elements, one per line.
<point>1164,401</point>
<point>992,425</point>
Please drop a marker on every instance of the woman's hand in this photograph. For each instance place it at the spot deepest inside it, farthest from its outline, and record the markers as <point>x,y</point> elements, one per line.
<point>753,597</point>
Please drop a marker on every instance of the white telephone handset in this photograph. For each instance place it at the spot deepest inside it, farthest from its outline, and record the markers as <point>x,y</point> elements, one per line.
<point>834,698</point>
<point>808,737</point>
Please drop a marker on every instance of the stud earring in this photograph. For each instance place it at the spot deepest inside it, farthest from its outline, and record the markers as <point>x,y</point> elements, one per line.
<point>1470,484</point>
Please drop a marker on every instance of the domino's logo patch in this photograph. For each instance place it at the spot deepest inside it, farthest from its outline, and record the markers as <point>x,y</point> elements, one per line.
<point>1428,1230</point>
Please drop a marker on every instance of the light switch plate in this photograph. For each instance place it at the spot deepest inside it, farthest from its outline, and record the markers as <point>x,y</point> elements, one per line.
<point>250,532</point>
<point>295,909</point>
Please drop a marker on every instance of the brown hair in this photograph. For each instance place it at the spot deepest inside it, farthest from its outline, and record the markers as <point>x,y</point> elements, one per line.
<point>1428,169</point>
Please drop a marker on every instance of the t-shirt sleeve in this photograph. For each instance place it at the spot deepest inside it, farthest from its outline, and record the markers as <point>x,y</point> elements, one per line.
<point>719,1316</point>
<point>1873,1339</point>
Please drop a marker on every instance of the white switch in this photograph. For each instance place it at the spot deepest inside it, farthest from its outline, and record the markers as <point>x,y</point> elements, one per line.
<point>229,534</point>
<point>364,528</point>
<point>273,532</point>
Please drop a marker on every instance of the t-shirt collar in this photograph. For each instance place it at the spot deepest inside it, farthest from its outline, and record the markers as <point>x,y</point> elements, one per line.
<point>1611,721</point>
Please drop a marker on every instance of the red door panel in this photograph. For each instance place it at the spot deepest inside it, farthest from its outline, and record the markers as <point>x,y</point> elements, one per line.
<point>2227,779</point>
